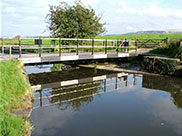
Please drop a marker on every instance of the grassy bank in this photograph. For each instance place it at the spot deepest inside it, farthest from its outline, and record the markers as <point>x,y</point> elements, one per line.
<point>14,91</point>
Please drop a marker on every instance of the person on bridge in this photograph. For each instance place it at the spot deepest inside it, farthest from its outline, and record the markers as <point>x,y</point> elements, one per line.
<point>126,45</point>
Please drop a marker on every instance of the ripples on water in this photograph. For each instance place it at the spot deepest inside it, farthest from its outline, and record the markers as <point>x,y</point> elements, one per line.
<point>81,102</point>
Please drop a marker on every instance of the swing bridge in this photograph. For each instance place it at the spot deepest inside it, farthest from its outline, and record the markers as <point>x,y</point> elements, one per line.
<point>48,50</point>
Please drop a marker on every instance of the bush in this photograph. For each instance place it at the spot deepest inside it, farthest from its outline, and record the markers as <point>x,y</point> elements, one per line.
<point>175,49</point>
<point>172,49</point>
<point>160,65</point>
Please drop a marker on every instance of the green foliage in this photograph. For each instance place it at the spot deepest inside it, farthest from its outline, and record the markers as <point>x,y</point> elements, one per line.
<point>160,65</point>
<point>95,68</point>
<point>56,67</point>
<point>74,21</point>
<point>172,49</point>
<point>175,49</point>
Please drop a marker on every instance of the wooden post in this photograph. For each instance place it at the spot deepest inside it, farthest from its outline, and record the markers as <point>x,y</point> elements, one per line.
<point>2,48</point>
<point>92,46</point>
<point>167,40</point>
<point>117,46</point>
<point>106,47</point>
<point>40,48</point>
<point>60,47</point>
<point>136,46</point>
<point>19,48</point>
<point>10,52</point>
<point>77,47</point>
<point>54,45</point>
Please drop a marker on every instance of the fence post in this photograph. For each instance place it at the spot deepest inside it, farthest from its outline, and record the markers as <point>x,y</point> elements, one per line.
<point>10,52</point>
<point>77,47</point>
<point>106,47</point>
<point>2,48</point>
<point>92,46</point>
<point>19,48</point>
<point>60,47</point>
<point>117,46</point>
<point>40,48</point>
<point>136,46</point>
<point>167,40</point>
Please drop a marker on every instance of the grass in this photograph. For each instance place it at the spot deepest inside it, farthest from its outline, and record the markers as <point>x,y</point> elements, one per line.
<point>13,93</point>
<point>112,37</point>
<point>141,36</point>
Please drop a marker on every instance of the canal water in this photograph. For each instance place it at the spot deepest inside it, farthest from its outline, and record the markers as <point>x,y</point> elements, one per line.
<point>86,102</point>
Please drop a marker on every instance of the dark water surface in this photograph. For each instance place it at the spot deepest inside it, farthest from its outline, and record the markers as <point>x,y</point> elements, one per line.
<point>84,102</point>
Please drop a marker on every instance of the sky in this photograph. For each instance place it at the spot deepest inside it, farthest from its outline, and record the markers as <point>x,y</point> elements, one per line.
<point>27,17</point>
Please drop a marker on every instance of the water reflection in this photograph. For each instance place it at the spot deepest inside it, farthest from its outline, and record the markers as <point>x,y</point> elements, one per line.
<point>82,102</point>
<point>77,95</point>
<point>168,84</point>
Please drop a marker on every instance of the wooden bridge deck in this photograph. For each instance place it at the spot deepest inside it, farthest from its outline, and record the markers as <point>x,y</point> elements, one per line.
<point>47,57</point>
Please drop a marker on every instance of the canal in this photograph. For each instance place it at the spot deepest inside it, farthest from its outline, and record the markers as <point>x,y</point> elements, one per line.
<point>73,101</point>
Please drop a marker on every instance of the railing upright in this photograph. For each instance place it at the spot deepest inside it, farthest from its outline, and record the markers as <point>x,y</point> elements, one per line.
<point>92,46</point>
<point>60,47</point>
<point>40,48</point>
<point>2,48</point>
<point>106,47</point>
<point>136,46</point>
<point>77,47</point>
<point>117,46</point>
<point>20,48</point>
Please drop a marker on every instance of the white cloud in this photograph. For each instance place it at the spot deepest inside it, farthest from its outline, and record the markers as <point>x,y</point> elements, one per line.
<point>165,111</point>
<point>9,9</point>
<point>151,10</point>
<point>129,28</point>
<point>32,18</point>
<point>90,2</point>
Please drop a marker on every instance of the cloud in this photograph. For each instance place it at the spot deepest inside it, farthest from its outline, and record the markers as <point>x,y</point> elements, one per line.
<point>9,9</point>
<point>32,18</point>
<point>129,28</point>
<point>151,10</point>
<point>90,2</point>
<point>165,111</point>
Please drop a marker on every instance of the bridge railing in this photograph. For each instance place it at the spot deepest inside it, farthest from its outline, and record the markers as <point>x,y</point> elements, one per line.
<point>60,46</point>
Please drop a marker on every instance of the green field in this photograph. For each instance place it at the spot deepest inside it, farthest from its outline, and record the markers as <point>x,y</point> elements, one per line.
<point>112,37</point>
<point>141,36</point>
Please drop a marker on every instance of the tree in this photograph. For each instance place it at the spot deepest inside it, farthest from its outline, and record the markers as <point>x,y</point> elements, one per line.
<point>74,21</point>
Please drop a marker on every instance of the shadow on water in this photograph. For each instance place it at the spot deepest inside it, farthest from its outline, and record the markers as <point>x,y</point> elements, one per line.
<point>105,101</point>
